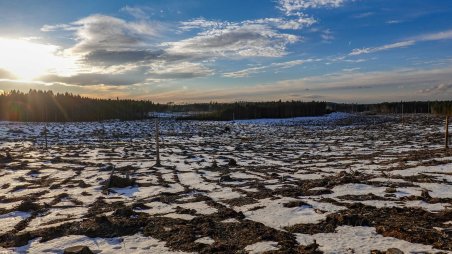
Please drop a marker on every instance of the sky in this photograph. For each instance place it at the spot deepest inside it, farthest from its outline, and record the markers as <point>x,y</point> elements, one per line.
<point>355,51</point>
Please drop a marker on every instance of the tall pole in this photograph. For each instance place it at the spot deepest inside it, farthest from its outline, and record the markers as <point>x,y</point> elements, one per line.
<point>447,133</point>
<point>157,148</point>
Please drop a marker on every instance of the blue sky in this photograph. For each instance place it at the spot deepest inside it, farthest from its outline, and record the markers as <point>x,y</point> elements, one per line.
<point>212,50</point>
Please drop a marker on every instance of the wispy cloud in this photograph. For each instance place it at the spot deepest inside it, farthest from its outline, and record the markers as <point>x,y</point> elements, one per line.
<point>363,15</point>
<point>394,21</point>
<point>180,70</point>
<point>438,89</point>
<point>202,23</point>
<point>401,44</point>
<point>4,74</point>
<point>245,72</point>
<point>327,36</point>
<point>258,69</point>
<point>136,12</point>
<point>293,23</point>
<point>342,86</point>
<point>444,35</point>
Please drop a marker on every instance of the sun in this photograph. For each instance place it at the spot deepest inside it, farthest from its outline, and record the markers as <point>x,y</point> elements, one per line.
<point>27,60</point>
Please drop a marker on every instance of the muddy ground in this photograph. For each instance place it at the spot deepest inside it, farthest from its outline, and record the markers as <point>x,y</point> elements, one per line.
<point>230,187</point>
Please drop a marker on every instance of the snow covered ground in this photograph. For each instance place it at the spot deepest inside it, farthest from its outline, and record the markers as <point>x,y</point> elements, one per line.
<point>348,182</point>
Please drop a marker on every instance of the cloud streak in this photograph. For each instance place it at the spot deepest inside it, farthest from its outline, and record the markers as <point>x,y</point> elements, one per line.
<point>402,44</point>
<point>444,35</point>
<point>258,69</point>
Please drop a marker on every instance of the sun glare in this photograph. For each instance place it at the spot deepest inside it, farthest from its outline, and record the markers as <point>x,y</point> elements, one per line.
<point>28,60</point>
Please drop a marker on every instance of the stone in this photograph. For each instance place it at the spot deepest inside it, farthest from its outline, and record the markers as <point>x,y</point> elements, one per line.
<point>79,249</point>
<point>232,162</point>
<point>394,251</point>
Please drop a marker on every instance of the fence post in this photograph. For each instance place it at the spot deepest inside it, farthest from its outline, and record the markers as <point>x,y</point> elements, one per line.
<point>45,136</point>
<point>447,133</point>
<point>157,148</point>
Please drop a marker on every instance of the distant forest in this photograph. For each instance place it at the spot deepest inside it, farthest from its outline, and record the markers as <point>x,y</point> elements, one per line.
<point>46,106</point>
<point>410,107</point>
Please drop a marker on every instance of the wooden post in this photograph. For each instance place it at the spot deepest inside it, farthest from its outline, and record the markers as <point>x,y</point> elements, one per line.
<point>45,135</point>
<point>447,133</point>
<point>157,148</point>
<point>402,111</point>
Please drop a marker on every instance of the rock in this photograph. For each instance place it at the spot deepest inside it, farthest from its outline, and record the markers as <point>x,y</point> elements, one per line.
<point>311,248</point>
<point>226,178</point>
<point>124,212</point>
<point>79,249</point>
<point>394,251</point>
<point>120,182</point>
<point>425,194</point>
<point>28,206</point>
<point>82,184</point>
<point>232,162</point>
<point>7,158</point>
<point>391,190</point>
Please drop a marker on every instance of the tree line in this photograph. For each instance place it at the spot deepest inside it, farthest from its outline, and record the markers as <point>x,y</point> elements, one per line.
<point>46,106</point>
<point>410,107</point>
<point>255,110</point>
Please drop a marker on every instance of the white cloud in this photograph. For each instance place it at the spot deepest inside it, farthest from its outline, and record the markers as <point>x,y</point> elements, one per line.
<point>108,44</point>
<point>202,23</point>
<point>101,32</point>
<point>52,28</point>
<point>293,7</point>
<point>234,40</point>
<point>294,23</point>
<point>105,32</point>
<point>297,23</point>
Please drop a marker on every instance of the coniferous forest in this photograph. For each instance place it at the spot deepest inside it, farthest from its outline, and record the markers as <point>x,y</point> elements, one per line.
<point>46,106</point>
